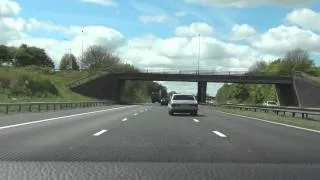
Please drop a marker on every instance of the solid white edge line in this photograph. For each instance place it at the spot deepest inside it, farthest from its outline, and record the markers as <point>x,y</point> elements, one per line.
<point>196,120</point>
<point>100,132</point>
<point>124,119</point>
<point>219,134</point>
<point>62,117</point>
<point>271,122</point>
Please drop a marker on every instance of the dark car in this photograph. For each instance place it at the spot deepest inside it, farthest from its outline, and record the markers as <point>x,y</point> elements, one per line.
<point>164,101</point>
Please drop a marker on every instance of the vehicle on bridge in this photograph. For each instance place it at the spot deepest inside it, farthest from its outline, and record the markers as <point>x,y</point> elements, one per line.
<point>183,103</point>
<point>270,103</point>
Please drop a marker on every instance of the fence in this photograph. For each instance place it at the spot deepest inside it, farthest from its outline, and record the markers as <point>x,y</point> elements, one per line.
<point>304,112</point>
<point>48,106</point>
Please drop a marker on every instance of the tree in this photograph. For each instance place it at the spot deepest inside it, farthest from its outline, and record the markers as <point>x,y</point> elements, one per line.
<point>258,67</point>
<point>69,62</point>
<point>25,56</point>
<point>97,58</point>
<point>5,56</point>
<point>296,60</point>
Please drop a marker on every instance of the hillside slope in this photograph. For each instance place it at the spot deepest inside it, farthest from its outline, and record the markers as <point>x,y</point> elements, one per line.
<point>38,84</point>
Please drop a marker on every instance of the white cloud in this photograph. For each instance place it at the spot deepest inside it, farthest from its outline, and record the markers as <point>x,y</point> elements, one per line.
<point>243,31</point>
<point>249,3</point>
<point>178,53</point>
<point>33,24</point>
<point>9,8</point>
<point>195,29</point>
<point>11,29</point>
<point>101,2</point>
<point>305,18</point>
<point>280,39</point>
<point>180,14</point>
<point>153,19</point>
<point>92,35</point>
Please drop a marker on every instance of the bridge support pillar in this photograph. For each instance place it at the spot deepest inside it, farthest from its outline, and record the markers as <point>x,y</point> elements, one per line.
<point>287,95</point>
<point>202,92</point>
<point>119,88</point>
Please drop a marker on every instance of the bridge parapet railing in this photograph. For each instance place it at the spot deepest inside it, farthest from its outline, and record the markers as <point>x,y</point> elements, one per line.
<point>304,112</point>
<point>307,76</point>
<point>22,107</point>
<point>169,71</point>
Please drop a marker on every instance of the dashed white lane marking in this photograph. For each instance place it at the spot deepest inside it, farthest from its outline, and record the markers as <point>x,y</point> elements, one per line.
<point>124,119</point>
<point>135,114</point>
<point>145,109</point>
<point>100,132</point>
<point>142,111</point>
<point>63,117</point>
<point>219,134</point>
<point>196,120</point>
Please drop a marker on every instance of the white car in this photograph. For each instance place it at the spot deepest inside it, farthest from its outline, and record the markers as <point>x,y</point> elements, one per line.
<point>183,103</point>
<point>270,103</point>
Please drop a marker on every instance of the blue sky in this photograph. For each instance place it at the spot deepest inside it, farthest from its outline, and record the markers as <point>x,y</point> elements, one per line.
<point>125,13</point>
<point>162,34</point>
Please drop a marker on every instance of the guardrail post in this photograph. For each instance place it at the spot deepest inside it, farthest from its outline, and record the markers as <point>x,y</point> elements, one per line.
<point>7,109</point>
<point>302,115</point>
<point>293,114</point>
<point>19,108</point>
<point>47,107</point>
<point>54,107</point>
<point>307,115</point>
<point>30,107</point>
<point>39,107</point>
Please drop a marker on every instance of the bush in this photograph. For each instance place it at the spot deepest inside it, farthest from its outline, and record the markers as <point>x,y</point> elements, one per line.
<point>38,69</point>
<point>4,83</point>
<point>44,86</point>
<point>26,85</point>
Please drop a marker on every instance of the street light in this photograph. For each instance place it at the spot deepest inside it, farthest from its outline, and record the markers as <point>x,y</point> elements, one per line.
<point>199,55</point>
<point>82,31</point>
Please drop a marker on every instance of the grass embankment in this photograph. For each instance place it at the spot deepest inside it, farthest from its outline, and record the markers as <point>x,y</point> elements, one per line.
<point>305,123</point>
<point>38,84</point>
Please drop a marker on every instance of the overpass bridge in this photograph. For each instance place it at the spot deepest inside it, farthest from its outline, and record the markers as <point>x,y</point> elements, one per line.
<point>291,90</point>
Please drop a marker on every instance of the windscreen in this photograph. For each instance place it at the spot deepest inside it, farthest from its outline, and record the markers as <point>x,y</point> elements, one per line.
<point>195,82</point>
<point>183,97</point>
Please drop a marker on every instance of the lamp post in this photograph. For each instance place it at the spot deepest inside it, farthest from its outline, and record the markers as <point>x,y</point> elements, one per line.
<point>199,54</point>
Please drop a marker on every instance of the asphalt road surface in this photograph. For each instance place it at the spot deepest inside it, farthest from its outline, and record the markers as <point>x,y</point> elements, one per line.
<point>148,134</point>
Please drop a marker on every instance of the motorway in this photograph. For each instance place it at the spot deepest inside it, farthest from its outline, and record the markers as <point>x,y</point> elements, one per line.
<point>146,133</point>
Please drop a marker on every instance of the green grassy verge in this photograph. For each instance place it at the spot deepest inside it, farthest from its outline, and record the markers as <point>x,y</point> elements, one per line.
<point>305,123</point>
<point>38,84</point>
